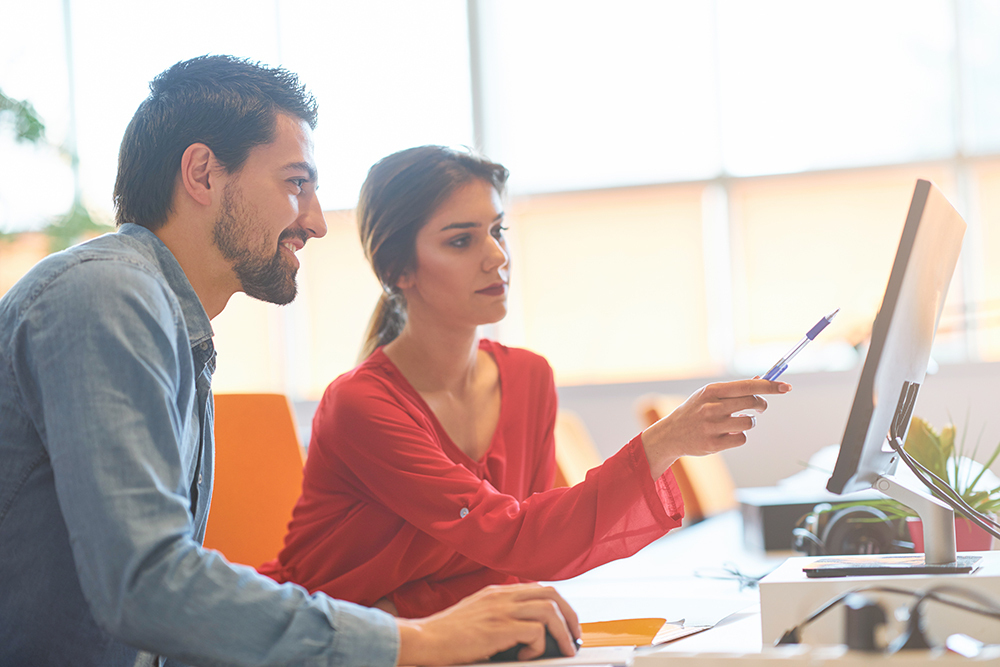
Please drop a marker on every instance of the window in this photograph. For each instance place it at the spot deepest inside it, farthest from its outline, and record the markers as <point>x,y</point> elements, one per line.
<point>609,286</point>
<point>692,184</point>
<point>807,244</point>
<point>983,313</point>
<point>595,97</point>
<point>809,86</point>
<point>387,74</point>
<point>36,183</point>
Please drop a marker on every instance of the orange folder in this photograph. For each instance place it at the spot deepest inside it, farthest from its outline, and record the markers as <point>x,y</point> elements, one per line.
<point>634,632</point>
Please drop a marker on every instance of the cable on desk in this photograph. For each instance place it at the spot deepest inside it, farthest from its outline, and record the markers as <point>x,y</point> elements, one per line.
<point>730,572</point>
<point>988,607</point>
<point>913,637</point>
<point>944,492</point>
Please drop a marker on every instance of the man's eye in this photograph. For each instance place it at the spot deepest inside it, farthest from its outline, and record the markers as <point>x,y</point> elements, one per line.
<point>299,182</point>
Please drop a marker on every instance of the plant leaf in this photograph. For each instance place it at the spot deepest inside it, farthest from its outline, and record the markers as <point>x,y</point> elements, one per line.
<point>28,125</point>
<point>947,440</point>
<point>986,466</point>
<point>924,444</point>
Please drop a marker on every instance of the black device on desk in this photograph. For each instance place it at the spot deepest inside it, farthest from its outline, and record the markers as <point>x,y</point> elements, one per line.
<point>552,650</point>
<point>893,371</point>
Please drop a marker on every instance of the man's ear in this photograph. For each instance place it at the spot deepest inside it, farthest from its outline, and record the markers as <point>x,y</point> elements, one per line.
<point>199,173</point>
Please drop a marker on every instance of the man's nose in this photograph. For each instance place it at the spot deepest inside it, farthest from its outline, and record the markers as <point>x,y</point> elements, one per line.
<point>313,220</point>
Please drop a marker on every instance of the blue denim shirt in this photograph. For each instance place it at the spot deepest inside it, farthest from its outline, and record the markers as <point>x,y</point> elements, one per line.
<point>106,443</point>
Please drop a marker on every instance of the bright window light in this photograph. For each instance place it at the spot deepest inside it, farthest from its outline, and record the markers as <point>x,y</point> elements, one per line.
<point>824,85</point>
<point>594,94</point>
<point>388,74</point>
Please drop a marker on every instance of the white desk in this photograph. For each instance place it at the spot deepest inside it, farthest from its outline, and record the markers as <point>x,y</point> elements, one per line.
<point>669,579</point>
<point>682,576</point>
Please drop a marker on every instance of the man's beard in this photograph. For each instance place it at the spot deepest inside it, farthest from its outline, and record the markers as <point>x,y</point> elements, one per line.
<point>262,275</point>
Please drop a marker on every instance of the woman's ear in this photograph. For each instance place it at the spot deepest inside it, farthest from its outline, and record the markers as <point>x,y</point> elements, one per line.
<point>405,280</point>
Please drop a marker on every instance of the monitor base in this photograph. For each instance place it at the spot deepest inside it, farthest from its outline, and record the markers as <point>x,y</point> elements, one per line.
<point>885,565</point>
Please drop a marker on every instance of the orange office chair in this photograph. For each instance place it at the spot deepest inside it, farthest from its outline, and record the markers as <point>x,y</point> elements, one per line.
<point>258,476</point>
<point>704,481</point>
<point>575,451</point>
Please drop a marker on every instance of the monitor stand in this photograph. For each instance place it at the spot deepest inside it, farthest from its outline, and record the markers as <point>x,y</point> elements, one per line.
<point>939,556</point>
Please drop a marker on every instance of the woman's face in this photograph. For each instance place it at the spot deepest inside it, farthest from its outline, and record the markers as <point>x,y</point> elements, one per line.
<point>462,267</point>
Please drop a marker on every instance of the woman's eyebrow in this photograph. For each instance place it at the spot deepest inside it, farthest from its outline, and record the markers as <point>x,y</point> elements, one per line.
<point>460,225</point>
<point>467,225</point>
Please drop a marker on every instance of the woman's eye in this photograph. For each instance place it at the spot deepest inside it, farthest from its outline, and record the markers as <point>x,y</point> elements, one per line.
<point>498,231</point>
<point>460,241</point>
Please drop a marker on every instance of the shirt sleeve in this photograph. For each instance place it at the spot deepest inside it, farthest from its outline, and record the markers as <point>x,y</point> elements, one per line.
<point>613,513</point>
<point>104,350</point>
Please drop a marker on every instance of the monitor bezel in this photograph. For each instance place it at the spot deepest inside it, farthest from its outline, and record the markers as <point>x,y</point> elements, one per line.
<point>858,466</point>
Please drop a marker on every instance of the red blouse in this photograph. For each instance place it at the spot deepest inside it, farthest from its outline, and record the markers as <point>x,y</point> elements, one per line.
<point>391,508</point>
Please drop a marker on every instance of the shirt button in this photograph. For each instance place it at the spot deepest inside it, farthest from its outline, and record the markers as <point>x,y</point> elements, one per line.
<point>204,346</point>
<point>463,512</point>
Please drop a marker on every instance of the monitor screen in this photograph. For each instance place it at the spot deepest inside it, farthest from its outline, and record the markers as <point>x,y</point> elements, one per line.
<point>901,340</point>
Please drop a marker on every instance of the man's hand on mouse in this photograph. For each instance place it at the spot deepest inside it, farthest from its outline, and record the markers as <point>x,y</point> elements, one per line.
<point>485,623</point>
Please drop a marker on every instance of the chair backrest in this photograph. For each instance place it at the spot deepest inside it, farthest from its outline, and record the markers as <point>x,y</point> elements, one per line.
<point>704,481</point>
<point>575,450</point>
<point>258,476</point>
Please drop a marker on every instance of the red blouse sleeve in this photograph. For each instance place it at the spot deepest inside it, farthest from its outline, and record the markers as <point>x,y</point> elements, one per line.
<point>388,448</point>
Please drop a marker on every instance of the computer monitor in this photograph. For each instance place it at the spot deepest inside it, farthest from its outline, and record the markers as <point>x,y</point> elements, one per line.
<point>896,365</point>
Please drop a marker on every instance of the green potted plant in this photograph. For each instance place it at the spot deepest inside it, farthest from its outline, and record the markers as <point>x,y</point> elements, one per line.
<point>899,525</point>
<point>938,452</point>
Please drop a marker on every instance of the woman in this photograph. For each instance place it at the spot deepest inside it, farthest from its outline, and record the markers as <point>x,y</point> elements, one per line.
<point>431,464</point>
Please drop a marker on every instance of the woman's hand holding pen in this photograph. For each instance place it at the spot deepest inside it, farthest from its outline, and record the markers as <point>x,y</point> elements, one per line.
<point>712,419</point>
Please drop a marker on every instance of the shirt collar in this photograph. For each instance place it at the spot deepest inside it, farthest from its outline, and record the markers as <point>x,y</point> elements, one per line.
<point>199,327</point>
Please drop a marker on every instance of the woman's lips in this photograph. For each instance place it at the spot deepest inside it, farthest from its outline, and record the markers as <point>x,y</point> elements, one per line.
<point>493,290</point>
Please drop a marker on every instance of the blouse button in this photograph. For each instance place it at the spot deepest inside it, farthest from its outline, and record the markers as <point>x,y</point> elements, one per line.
<point>463,512</point>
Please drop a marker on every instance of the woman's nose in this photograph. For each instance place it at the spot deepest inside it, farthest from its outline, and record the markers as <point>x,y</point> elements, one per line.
<point>497,255</point>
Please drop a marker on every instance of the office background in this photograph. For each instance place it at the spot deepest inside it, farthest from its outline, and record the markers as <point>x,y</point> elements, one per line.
<point>693,183</point>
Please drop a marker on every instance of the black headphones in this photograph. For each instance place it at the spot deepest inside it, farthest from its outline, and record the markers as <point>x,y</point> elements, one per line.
<point>854,529</point>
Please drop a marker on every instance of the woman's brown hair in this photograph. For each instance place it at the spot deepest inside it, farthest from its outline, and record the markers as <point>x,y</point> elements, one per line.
<point>401,193</point>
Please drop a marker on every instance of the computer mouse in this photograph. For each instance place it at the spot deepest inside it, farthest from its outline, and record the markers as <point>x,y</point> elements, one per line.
<point>552,650</point>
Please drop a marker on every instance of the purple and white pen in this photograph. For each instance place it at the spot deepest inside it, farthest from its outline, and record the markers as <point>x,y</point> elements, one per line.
<point>782,364</point>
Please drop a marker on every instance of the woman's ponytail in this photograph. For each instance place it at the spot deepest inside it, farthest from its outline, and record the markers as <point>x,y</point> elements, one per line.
<point>386,323</point>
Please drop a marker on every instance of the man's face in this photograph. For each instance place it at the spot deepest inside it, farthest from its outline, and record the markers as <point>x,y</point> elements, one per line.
<point>269,211</point>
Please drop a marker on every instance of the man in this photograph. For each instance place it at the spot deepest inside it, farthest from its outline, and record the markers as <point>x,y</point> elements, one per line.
<point>106,442</point>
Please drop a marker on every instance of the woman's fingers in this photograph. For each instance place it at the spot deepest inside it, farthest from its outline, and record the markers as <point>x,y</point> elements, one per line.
<point>725,407</point>
<point>710,420</point>
<point>738,423</point>
<point>738,388</point>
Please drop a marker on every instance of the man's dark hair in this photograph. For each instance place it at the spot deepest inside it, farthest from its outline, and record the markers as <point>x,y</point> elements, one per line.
<point>228,104</point>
